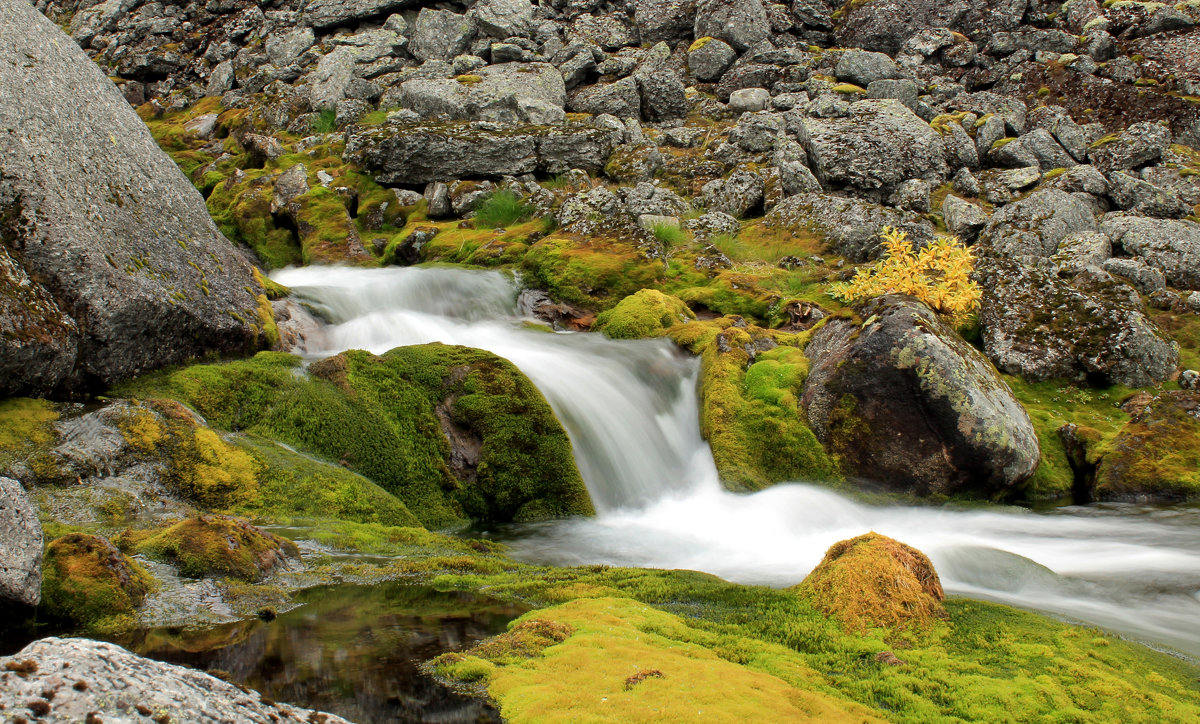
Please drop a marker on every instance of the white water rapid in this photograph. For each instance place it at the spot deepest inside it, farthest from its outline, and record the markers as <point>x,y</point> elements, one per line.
<point>630,409</point>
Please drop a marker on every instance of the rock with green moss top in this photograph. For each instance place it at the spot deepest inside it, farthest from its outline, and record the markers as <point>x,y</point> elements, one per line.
<point>1040,327</point>
<point>214,545</point>
<point>594,272</point>
<point>750,384</point>
<point>648,313</point>
<point>1156,456</point>
<point>86,580</point>
<point>906,404</point>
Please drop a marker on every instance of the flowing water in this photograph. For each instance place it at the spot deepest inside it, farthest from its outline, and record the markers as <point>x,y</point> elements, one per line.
<point>631,411</point>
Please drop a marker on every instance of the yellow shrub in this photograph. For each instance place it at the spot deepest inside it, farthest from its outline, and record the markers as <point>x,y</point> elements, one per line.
<point>938,274</point>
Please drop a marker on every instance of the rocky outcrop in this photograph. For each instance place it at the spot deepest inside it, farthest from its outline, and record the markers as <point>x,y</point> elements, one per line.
<point>504,93</point>
<point>1172,247</point>
<point>20,546</point>
<point>885,25</point>
<point>1035,225</point>
<point>111,253</point>
<point>1040,327</point>
<point>911,407</point>
<point>1155,456</point>
<point>80,679</point>
<point>847,226</point>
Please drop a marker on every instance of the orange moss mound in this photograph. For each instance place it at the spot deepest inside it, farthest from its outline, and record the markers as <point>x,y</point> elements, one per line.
<point>873,581</point>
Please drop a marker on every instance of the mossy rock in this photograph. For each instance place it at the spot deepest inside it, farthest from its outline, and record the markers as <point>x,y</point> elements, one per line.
<point>750,383</point>
<point>875,582</point>
<point>594,273</point>
<point>647,313</point>
<point>87,581</point>
<point>1156,456</point>
<point>213,545</point>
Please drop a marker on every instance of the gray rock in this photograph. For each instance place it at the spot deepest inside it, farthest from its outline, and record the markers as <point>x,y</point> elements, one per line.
<point>912,429</point>
<point>620,99</point>
<point>324,14</point>
<point>221,80</point>
<point>1040,327</point>
<point>749,100</point>
<point>880,145</point>
<point>902,90</point>
<point>663,96</point>
<point>1080,179</point>
<point>576,69</point>
<point>960,147</point>
<point>284,48</point>
<point>712,223</point>
<point>504,18</point>
<point>115,678</point>
<point>1082,250</point>
<point>1068,133</point>
<point>884,25</point>
<point>965,183</point>
<point>709,60</point>
<point>741,23</point>
<point>611,32</point>
<point>20,546</point>
<point>1145,278</point>
<point>437,194</point>
<point>289,185</point>
<point>963,218</point>
<point>796,178</point>
<point>440,35</point>
<point>1145,199</point>
<point>1135,146</point>
<point>1039,146</point>
<point>646,199</point>
<point>659,20</point>
<point>847,226</point>
<point>119,241</point>
<point>736,195</point>
<point>758,132</point>
<point>328,82</point>
<point>1171,246</point>
<point>987,134</point>
<point>1035,225</point>
<point>506,93</point>
<point>863,67</point>
<point>912,195</point>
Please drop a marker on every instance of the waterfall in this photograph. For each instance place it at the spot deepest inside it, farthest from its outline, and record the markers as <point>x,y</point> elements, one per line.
<point>631,411</point>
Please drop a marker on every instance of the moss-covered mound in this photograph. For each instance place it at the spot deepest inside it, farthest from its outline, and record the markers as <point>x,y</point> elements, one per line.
<point>87,581</point>
<point>750,383</point>
<point>455,433</point>
<point>1156,456</point>
<point>214,545</point>
<point>873,582</point>
<point>594,273</point>
<point>648,313</point>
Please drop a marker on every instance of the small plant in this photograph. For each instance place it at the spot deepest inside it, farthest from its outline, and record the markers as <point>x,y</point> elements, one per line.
<point>670,237</point>
<point>938,274</point>
<point>325,122</point>
<point>501,209</point>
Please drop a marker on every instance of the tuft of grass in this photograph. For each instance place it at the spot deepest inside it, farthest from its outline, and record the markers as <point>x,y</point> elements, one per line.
<point>325,122</point>
<point>502,209</point>
<point>670,239</point>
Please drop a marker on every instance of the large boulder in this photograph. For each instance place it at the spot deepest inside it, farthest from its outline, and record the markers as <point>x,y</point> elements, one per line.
<point>873,149</point>
<point>1156,456</point>
<point>504,93</point>
<point>504,18</point>
<point>846,226</point>
<point>1172,247</point>
<point>659,20</point>
<point>910,406</point>
<point>885,25</point>
<point>1035,225</point>
<point>440,35</point>
<point>112,679</point>
<point>741,23</point>
<point>20,546</point>
<point>112,248</point>
<point>1040,327</point>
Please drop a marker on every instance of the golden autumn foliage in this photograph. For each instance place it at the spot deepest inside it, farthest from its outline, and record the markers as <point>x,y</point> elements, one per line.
<point>938,274</point>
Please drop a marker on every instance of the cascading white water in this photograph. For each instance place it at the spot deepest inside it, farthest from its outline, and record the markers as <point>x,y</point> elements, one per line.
<point>630,408</point>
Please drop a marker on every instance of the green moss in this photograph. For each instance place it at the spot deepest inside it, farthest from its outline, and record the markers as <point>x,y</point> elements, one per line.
<point>87,581</point>
<point>273,289</point>
<point>210,545</point>
<point>242,210</point>
<point>749,406</point>
<point>849,88</point>
<point>1156,454</point>
<point>266,322</point>
<point>25,426</point>
<point>595,273</point>
<point>648,313</point>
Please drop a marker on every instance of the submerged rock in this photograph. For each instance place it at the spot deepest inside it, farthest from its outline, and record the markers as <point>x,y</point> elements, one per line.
<point>910,406</point>
<point>20,546</point>
<point>131,273</point>
<point>79,679</point>
<point>872,582</point>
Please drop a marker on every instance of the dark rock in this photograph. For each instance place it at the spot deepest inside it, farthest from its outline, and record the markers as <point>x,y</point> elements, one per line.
<point>1135,146</point>
<point>710,59</point>
<point>663,96</point>
<point>1144,199</point>
<point>119,241</point>
<point>862,67</point>
<point>884,25</point>
<point>620,99</point>
<point>741,23</point>
<point>659,20</point>
<point>910,406</point>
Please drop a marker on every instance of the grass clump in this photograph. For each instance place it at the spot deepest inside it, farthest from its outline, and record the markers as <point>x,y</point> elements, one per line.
<point>87,581</point>
<point>215,545</point>
<point>938,274</point>
<point>502,209</point>
<point>670,239</point>
<point>325,122</point>
<point>648,313</point>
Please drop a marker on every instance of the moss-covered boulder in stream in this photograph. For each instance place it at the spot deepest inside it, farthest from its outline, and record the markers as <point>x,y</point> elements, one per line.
<point>218,545</point>
<point>455,433</point>
<point>648,313</point>
<point>87,581</point>
<point>1156,455</point>
<point>906,404</point>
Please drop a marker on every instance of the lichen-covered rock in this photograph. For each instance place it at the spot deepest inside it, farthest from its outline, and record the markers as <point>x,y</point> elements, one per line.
<point>963,218</point>
<point>659,20</point>
<point>86,580</point>
<point>504,93</point>
<point>621,99</point>
<point>440,35</point>
<point>885,25</point>
<point>1040,327</point>
<point>1081,250</point>
<point>875,582</point>
<point>741,23</point>
<point>1173,247</point>
<point>737,195</point>
<point>504,18</point>
<point>209,545</point>
<point>876,147</point>
<point>909,406</point>
<point>1135,146</point>
<point>663,96</point>
<point>20,546</point>
<point>648,313</point>
<point>1136,196</point>
<point>100,217</point>
<point>709,58</point>
<point>847,226</point>
<point>114,679</point>
<point>38,340</point>
<point>1034,226</point>
<point>862,67</point>
<point>1156,456</point>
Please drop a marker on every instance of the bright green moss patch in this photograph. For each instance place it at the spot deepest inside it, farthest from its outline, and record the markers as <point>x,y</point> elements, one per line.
<point>212,545</point>
<point>87,581</point>
<point>750,382</point>
<point>595,273</point>
<point>25,425</point>
<point>648,313</point>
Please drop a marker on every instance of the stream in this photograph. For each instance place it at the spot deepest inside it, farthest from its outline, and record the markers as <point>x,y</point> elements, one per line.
<point>631,411</point>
